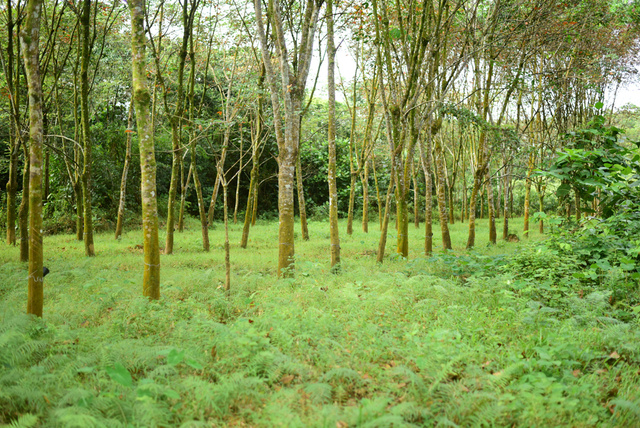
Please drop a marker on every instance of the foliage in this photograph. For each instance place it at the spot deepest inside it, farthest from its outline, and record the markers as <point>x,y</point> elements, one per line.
<point>595,165</point>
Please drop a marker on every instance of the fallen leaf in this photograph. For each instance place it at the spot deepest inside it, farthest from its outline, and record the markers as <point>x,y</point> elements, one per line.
<point>286,380</point>
<point>614,355</point>
<point>576,373</point>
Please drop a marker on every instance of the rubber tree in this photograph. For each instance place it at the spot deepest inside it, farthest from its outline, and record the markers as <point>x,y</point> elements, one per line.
<point>331,170</point>
<point>29,40</point>
<point>142,104</point>
<point>294,70</point>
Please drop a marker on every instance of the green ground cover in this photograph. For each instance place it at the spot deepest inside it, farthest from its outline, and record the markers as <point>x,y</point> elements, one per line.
<point>494,337</point>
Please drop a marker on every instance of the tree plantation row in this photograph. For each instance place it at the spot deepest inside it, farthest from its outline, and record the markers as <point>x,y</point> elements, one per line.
<point>450,109</point>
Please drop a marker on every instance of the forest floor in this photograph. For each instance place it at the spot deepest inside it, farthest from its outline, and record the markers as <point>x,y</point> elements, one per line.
<point>453,340</point>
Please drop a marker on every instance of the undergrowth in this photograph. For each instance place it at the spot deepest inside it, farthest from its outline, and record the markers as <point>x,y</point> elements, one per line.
<point>482,338</point>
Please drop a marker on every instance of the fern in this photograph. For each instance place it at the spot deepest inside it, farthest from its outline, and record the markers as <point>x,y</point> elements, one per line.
<point>25,421</point>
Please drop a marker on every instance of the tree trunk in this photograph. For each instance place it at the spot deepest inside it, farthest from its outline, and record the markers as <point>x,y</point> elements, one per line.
<point>125,173</point>
<point>365,198</point>
<point>89,249</point>
<point>378,201</point>
<point>227,251</point>
<point>302,206</point>
<point>23,211</point>
<point>176,120</point>
<point>505,226</point>
<point>527,197</point>
<point>14,131</point>
<point>29,38</point>
<point>250,202</point>
<point>183,196</point>
<point>493,234</point>
<point>352,198</point>
<point>425,160</point>
<point>293,83</point>
<point>385,223</point>
<point>235,208</point>
<point>142,101</point>
<point>331,138</point>
<point>440,188</point>
<point>416,198</point>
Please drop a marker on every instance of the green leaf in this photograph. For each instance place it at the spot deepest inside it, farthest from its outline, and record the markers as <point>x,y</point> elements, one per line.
<point>120,374</point>
<point>599,105</point>
<point>175,357</point>
<point>194,364</point>
<point>170,393</point>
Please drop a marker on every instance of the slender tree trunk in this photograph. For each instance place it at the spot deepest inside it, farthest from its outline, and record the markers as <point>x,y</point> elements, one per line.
<point>493,234</point>
<point>125,173</point>
<point>352,198</point>
<point>29,39</point>
<point>176,119</point>
<point>527,196</point>
<point>14,131</point>
<point>365,198</point>
<point>23,210</point>
<point>183,197</point>
<point>227,251</point>
<point>385,223</point>
<point>302,206</point>
<point>333,186</point>
<point>173,186</point>
<point>505,226</point>
<point>250,202</point>
<point>471,241</point>
<point>541,202</point>
<point>425,159</point>
<point>442,207</point>
<point>416,198</point>
<point>142,101</point>
<point>89,249</point>
<point>235,208</point>
<point>378,201</point>
<point>578,208</point>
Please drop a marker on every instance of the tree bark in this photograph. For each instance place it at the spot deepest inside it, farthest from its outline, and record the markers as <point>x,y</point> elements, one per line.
<point>87,148</point>
<point>293,85</point>
<point>14,131</point>
<point>302,206</point>
<point>29,38</point>
<point>125,173</point>
<point>23,210</point>
<point>442,207</point>
<point>142,101</point>
<point>333,187</point>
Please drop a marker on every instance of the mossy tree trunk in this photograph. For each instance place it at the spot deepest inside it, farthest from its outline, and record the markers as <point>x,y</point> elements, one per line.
<point>15,141</point>
<point>142,104</point>
<point>85,21</point>
<point>29,38</point>
<point>125,174</point>
<point>440,188</point>
<point>23,210</point>
<point>302,205</point>
<point>333,187</point>
<point>293,82</point>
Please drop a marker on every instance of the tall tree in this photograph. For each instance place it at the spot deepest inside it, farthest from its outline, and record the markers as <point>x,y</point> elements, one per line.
<point>87,46</point>
<point>333,187</point>
<point>142,104</point>
<point>30,41</point>
<point>294,78</point>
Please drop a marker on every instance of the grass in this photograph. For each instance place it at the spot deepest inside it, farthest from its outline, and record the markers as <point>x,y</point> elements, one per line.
<point>406,343</point>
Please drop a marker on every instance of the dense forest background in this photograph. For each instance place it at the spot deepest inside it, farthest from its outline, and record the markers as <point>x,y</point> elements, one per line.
<point>503,82</point>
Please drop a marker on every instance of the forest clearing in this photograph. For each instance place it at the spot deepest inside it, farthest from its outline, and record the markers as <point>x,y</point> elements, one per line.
<point>316,213</point>
<point>468,340</point>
